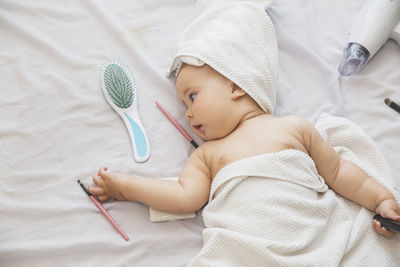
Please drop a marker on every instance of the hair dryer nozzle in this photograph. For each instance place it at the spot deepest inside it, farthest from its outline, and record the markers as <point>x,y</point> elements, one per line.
<point>355,56</point>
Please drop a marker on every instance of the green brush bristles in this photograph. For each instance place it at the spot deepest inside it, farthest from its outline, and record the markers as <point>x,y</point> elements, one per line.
<point>118,86</point>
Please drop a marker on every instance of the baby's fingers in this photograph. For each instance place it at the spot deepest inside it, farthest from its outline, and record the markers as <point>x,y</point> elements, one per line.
<point>98,180</point>
<point>97,191</point>
<point>380,229</point>
<point>391,214</point>
<point>103,198</point>
<point>103,173</point>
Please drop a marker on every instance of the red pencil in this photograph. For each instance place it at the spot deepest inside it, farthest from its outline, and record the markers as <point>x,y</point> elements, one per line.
<point>104,211</point>
<point>180,129</point>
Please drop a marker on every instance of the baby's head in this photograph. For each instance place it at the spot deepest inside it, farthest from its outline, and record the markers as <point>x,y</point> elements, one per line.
<point>215,105</point>
<point>229,53</point>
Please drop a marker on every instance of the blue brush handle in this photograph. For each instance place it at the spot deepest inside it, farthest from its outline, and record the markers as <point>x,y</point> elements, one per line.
<point>140,141</point>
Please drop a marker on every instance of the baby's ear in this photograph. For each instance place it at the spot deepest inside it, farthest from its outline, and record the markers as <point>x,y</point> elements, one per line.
<point>237,92</point>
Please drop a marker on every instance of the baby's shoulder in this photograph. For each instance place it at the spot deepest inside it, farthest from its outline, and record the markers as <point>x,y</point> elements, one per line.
<point>293,121</point>
<point>296,126</point>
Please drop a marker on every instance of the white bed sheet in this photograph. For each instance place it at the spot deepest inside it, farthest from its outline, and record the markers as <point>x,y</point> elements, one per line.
<point>55,125</point>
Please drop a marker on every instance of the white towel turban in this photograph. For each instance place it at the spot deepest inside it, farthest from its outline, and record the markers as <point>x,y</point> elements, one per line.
<point>237,39</point>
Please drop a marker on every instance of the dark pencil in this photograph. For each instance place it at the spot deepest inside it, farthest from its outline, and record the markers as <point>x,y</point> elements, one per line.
<point>392,104</point>
<point>103,211</point>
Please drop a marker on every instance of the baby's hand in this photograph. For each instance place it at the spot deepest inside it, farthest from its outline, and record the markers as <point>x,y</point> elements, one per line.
<point>387,209</point>
<point>108,185</point>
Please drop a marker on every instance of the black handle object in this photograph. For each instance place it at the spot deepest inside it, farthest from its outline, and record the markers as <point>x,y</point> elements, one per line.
<point>388,223</point>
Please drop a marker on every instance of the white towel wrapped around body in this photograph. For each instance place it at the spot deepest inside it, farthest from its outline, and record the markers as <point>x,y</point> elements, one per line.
<point>275,210</point>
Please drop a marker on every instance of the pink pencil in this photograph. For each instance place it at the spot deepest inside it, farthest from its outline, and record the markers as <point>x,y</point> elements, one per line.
<point>104,211</point>
<point>180,129</point>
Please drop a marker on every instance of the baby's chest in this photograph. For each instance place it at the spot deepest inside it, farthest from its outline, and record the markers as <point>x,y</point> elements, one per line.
<point>231,152</point>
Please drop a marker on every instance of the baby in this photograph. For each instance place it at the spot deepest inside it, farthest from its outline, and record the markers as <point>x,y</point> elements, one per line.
<point>260,175</point>
<point>224,115</point>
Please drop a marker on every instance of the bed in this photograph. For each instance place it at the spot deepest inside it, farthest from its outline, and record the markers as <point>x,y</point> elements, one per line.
<point>56,127</point>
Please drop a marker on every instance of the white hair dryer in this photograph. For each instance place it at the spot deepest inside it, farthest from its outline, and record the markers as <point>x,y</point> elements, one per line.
<point>378,21</point>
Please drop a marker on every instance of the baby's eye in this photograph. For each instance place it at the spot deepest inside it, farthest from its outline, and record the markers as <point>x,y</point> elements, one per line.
<point>192,96</point>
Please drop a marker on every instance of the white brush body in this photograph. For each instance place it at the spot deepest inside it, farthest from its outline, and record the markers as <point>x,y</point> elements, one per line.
<point>130,116</point>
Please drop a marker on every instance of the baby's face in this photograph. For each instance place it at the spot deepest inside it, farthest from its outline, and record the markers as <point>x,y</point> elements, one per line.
<point>206,94</point>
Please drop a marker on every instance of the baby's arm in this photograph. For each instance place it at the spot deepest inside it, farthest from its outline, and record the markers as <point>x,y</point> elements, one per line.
<point>347,179</point>
<point>186,195</point>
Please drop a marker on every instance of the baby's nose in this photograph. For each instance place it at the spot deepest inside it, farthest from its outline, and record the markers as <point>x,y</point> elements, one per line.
<point>188,114</point>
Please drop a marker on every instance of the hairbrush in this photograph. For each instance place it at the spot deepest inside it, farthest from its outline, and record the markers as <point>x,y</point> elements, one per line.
<point>118,85</point>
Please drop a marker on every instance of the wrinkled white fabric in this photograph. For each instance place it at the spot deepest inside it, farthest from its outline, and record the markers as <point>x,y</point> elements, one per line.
<point>275,210</point>
<point>237,39</point>
<point>55,125</point>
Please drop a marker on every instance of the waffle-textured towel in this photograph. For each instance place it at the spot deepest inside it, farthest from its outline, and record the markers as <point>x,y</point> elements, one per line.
<point>275,210</point>
<point>237,39</point>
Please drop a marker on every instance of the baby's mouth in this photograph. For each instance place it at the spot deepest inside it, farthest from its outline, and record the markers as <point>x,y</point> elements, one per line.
<point>197,127</point>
